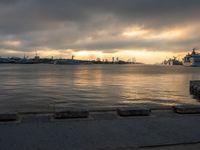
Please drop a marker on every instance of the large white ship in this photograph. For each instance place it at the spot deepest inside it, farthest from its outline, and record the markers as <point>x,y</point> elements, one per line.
<point>192,59</point>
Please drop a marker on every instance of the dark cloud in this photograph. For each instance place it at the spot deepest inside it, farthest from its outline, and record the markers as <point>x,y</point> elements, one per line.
<point>94,25</point>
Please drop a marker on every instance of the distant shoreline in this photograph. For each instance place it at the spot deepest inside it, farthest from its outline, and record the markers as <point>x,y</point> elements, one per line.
<point>37,60</point>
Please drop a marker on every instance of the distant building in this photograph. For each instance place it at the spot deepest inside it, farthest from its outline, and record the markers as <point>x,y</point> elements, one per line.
<point>172,61</point>
<point>113,59</point>
<point>117,59</point>
<point>98,59</point>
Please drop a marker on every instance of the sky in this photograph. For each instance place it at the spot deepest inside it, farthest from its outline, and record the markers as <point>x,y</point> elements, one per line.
<point>147,30</point>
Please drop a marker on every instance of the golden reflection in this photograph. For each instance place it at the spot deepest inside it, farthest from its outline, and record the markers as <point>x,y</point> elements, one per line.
<point>156,90</point>
<point>85,76</point>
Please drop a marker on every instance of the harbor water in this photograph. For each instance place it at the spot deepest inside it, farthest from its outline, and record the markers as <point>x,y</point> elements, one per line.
<point>38,87</point>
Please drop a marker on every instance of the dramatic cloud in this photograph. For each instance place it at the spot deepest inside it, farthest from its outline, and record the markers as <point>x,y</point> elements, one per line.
<point>104,25</point>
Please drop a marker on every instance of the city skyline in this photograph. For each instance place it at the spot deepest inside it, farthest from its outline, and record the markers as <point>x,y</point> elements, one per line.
<point>149,30</point>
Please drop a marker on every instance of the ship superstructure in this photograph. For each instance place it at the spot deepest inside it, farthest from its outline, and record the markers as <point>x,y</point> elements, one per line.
<point>192,59</point>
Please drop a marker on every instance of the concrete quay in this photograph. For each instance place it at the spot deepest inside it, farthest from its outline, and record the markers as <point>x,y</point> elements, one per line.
<point>106,130</point>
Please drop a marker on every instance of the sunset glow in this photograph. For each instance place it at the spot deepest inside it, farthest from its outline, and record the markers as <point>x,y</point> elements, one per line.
<point>121,30</point>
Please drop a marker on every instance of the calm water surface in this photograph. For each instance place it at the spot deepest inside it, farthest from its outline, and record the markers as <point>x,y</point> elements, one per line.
<point>38,87</point>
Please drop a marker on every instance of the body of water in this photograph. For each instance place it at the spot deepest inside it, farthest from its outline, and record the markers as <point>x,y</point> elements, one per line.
<point>38,87</point>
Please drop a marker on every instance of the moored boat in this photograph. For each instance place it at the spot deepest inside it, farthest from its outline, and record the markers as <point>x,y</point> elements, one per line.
<point>192,59</point>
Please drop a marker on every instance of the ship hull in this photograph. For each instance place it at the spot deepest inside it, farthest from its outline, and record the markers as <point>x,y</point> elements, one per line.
<point>188,64</point>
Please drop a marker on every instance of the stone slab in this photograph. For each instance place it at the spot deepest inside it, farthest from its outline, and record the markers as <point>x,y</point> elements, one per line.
<point>67,113</point>
<point>187,109</point>
<point>4,117</point>
<point>133,112</point>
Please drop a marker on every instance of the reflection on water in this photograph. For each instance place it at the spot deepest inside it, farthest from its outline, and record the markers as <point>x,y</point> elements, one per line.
<point>84,77</point>
<point>36,87</point>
